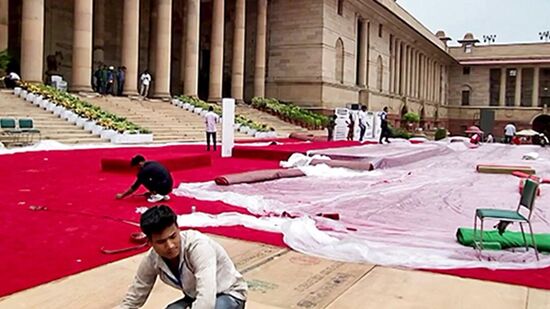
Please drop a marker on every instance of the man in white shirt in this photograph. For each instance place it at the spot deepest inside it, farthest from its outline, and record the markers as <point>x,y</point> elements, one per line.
<point>509,132</point>
<point>362,118</point>
<point>145,80</point>
<point>211,119</point>
<point>11,80</point>
<point>188,261</point>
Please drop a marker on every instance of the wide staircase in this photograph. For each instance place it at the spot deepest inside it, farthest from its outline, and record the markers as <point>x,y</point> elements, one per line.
<point>170,123</point>
<point>51,127</point>
<point>167,122</point>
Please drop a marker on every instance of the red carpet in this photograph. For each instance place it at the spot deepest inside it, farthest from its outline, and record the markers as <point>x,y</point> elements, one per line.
<point>82,213</point>
<point>282,152</point>
<point>173,162</point>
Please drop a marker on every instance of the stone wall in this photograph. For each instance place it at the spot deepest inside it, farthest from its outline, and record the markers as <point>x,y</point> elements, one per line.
<point>295,65</point>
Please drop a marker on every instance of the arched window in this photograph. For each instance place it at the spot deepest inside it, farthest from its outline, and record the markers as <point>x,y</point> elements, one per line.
<point>466,94</point>
<point>339,63</point>
<point>380,72</point>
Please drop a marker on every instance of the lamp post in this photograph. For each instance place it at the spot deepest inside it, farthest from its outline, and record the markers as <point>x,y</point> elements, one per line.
<point>544,35</point>
<point>489,38</point>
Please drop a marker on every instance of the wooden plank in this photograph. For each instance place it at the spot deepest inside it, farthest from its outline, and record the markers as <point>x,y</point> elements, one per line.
<point>538,299</point>
<point>504,169</point>
<point>294,280</point>
<point>111,282</point>
<point>393,288</point>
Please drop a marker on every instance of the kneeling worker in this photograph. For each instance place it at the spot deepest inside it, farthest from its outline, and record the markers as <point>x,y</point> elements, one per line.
<point>188,261</point>
<point>153,176</point>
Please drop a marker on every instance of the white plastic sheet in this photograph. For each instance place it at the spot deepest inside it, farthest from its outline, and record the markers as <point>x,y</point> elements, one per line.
<point>406,214</point>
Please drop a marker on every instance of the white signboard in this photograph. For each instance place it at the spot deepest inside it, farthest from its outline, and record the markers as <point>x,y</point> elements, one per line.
<point>341,128</point>
<point>228,122</point>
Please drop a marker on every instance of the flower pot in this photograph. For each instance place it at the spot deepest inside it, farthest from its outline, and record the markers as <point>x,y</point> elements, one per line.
<point>72,118</point>
<point>97,129</point>
<point>174,101</point>
<point>185,105</point>
<point>58,110</point>
<point>244,129</point>
<point>17,90</point>
<point>80,122</point>
<point>65,114</point>
<point>236,126</point>
<point>203,113</point>
<point>36,99</point>
<point>131,138</point>
<point>30,97</point>
<point>50,106</point>
<point>43,103</point>
<point>89,125</point>
<point>23,94</point>
<point>107,134</point>
<point>197,110</point>
<point>251,132</point>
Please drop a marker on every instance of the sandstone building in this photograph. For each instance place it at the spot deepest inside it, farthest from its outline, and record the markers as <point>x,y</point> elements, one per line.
<point>320,54</point>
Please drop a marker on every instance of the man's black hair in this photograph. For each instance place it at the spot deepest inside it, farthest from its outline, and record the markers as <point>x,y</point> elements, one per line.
<point>156,219</point>
<point>210,108</point>
<point>364,108</point>
<point>137,159</point>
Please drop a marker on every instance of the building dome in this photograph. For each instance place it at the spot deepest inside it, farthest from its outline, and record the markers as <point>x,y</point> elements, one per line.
<point>469,37</point>
<point>440,34</point>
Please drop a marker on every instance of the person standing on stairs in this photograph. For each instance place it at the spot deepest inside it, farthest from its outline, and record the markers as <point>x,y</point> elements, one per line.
<point>145,81</point>
<point>211,119</point>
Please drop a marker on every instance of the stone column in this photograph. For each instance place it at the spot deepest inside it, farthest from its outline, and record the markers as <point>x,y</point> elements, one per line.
<point>405,69</point>
<point>99,32</point>
<point>363,55</point>
<point>398,68</point>
<point>536,85</point>
<point>4,21</point>
<point>191,84</point>
<point>502,94</point>
<point>153,38</point>
<point>130,45</point>
<point>517,96</point>
<point>392,64</point>
<point>415,75</point>
<point>237,67</point>
<point>164,46</point>
<point>82,46</point>
<point>261,37</point>
<point>32,41</point>
<point>216,52</point>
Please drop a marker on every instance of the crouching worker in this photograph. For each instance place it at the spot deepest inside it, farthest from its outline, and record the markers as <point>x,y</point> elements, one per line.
<point>153,176</point>
<point>188,261</point>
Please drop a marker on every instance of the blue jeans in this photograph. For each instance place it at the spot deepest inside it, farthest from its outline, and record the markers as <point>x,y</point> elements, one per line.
<point>223,301</point>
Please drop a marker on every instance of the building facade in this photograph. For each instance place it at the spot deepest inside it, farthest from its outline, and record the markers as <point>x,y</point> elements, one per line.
<point>320,54</point>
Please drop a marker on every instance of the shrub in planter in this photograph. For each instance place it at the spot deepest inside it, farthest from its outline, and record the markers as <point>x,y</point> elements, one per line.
<point>440,134</point>
<point>400,133</point>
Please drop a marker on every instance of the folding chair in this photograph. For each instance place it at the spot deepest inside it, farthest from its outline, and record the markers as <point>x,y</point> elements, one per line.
<point>26,125</point>
<point>527,201</point>
<point>8,125</point>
